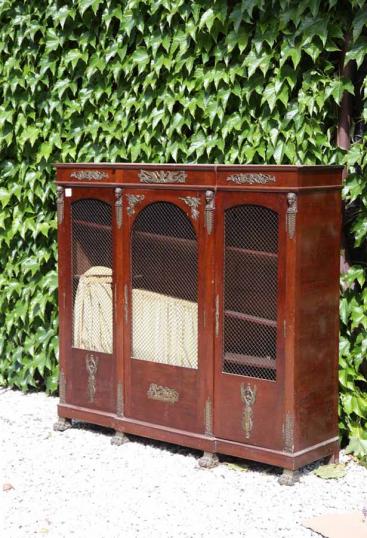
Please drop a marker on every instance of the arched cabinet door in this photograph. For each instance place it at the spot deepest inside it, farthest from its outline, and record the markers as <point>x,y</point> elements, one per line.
<point>249,334</point>
<point>164,343</point>
<point>87,360</point>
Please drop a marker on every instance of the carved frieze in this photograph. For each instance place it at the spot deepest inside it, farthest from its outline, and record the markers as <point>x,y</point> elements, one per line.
<point>89,175</point>
<point>251,179</point>
<point>162,176</point>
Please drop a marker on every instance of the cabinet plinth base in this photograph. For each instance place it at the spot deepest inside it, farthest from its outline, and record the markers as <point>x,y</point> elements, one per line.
<point>208,460</point>
<point>211,445</point>
<point>288,478</point>
<point>62,424</point>
<point>119,439</point>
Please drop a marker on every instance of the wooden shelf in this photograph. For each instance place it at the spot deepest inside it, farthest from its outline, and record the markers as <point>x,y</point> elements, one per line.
<point>166,238</point>
<point>106,227</point>
<point>251,319</point>
<point>162,237</point>
<point>79,275</point>
<point>260,253</point>
<point>250,360</point>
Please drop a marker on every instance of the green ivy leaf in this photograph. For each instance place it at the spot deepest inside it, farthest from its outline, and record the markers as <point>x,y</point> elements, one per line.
<point>4,197</point>
<point>207,19</point>
<point>331,471</point>
<point>85,4</point>
<point>358,447</point>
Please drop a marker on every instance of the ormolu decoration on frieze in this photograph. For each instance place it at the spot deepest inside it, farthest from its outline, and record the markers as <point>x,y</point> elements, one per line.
<point>163,394</point>
<point>193,202</point>
<point>251,179</point>
<point>60,204</point>
<point>89,175</point>
<point>209,211</point>
<point>91,363</point>
<point>118,206</point>
<point>132,200</point>
<point>248,397</point>
<point>162,176</point>
<point>291,214</point>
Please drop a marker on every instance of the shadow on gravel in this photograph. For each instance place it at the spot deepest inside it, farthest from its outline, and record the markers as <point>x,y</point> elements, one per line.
<point>230,461</point>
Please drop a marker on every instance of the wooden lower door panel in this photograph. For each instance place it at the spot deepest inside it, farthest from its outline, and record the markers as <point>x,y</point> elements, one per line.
<point>165,394</point>
<point>91,380</point>
<point>167,348</point>
<point>250,319</point>
<point>249,411</point>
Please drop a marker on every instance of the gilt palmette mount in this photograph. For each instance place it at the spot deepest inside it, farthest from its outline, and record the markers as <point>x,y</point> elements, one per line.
<point>251,179</point>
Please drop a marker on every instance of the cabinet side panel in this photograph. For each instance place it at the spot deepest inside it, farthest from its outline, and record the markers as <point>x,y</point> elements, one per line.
<point>317,315</point>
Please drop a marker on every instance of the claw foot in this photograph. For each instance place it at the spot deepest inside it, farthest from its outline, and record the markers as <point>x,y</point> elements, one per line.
<point>119,439</point>
<point>208,460</point>
<point>62,424</point>
<point>288,478</point>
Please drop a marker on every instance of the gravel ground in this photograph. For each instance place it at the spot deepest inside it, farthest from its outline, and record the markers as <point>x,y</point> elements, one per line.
<point>77,484</point>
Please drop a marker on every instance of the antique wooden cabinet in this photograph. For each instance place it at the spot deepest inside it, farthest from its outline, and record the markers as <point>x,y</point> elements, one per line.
<point>199,306</point>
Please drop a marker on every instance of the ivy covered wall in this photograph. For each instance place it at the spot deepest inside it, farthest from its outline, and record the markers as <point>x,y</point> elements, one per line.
<point>249,81</point>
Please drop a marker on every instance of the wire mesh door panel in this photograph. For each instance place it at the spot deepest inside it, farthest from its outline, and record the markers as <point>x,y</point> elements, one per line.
<point>164,327</point>
<point>248,346</point>
<point>250,291</point>
<point>92,275</point>
<point>92,301</point>
<point>164,287</point>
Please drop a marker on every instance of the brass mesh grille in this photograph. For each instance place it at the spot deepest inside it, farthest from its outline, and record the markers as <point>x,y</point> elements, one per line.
<point>92,275</point>
<point>164,287</point>
<point>250,291</point>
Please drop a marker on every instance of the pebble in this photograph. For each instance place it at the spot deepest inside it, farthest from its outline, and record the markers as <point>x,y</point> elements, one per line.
<point>77,484</point>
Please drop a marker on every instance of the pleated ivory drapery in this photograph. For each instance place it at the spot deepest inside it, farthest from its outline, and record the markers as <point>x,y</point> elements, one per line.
<point>164,328</point>
<point>93,310</point>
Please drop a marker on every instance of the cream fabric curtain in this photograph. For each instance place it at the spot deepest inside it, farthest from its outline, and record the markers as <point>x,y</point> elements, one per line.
<point>165,329</point>
<point>93,310</point>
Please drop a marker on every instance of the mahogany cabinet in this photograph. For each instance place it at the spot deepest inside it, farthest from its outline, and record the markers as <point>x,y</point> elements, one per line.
<point>199,305</point>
